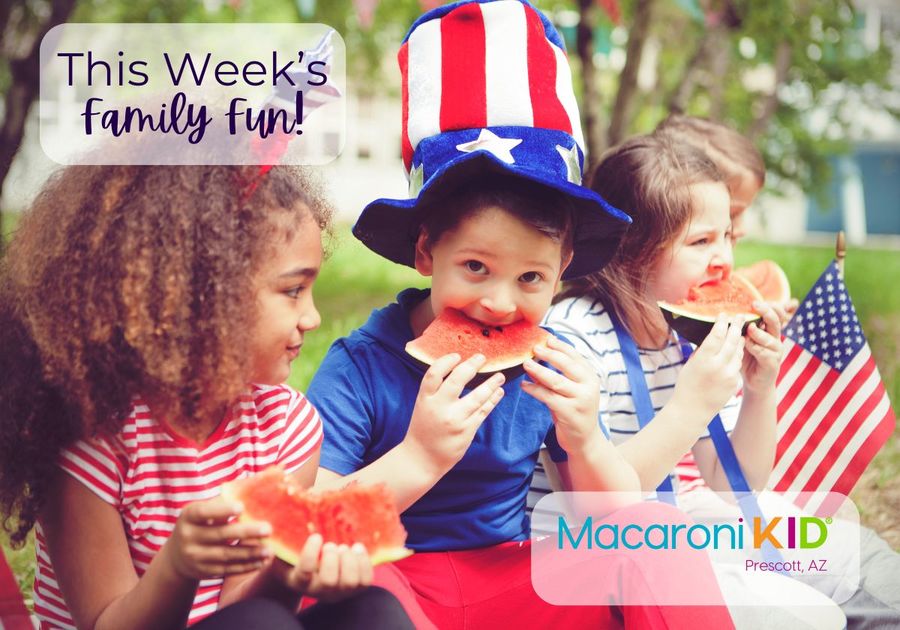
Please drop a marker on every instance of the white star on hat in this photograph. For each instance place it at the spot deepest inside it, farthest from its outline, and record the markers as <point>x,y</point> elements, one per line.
<point>415,180</point>
<point>573,166</point>
<point>490,142</point>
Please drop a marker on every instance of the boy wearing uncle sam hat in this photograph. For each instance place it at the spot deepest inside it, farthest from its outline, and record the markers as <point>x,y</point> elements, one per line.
<point>496,217</point>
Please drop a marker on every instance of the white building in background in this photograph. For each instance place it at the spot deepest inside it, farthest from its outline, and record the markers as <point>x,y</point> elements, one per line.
<point>370,166</point>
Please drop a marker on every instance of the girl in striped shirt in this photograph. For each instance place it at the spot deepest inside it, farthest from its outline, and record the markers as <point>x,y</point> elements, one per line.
<point>149,316</point>
<point>680,238</point>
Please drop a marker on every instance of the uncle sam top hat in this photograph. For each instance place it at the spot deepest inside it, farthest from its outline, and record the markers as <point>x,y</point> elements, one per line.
<point>487,87</point>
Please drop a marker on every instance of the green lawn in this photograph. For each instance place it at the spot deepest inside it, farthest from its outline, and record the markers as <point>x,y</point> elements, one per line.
<point>354,281</point>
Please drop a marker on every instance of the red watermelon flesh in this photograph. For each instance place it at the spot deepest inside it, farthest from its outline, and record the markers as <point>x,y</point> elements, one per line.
<point>734,296</point>
<point>355,513</point>
<point>769,279</point>
<point>694,316</point>
<point>503,346</point>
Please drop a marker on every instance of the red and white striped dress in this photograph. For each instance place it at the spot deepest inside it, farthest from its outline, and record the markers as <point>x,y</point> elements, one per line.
<point>149,473</point>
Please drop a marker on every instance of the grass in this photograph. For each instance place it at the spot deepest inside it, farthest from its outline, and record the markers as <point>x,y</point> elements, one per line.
<point>354,281</point>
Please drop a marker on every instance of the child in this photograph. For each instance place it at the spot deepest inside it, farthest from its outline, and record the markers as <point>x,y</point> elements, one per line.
<point>661,178</point>
<point>149,318</point>
<point>497,218</point>
<point>733,154</point>
<point>744,169</point>
<point>680,238</point>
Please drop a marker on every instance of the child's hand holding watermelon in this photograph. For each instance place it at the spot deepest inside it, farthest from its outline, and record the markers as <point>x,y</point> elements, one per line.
<point>573,397</point>
<point>328,572</point>
<point>762,358</point>
<point>443,424</point>
<point>201,544</point>
<point>572,394</point>
<point>712,375</point>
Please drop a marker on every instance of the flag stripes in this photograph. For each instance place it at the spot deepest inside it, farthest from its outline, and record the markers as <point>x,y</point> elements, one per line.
<point>833,411</point>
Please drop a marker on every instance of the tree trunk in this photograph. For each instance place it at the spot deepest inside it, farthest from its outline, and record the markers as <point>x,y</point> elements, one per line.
<point>680,98</point>
<point>24,87</point>
<point>782,65</point>
<point>5,12</point>
<point>637,36</point>
<point>713,55</point>
<point>590,99</point>
<point>719,60</point>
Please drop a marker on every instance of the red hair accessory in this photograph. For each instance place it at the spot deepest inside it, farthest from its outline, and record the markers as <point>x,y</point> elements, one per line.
<point>269,151</point>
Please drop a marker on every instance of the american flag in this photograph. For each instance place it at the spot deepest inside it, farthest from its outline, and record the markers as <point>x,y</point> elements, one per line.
<point>269,150</point>
<point>314,95</point>
<point>833,412</point>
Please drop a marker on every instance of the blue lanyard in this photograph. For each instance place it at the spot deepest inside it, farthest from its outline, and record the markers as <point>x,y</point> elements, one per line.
<point>643,406</point>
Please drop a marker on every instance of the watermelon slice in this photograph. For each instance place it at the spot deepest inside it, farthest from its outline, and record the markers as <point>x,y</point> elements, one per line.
<point>503,346</point>
<point>769,279</point>
<point>694,316</point>
<point>355,513</point>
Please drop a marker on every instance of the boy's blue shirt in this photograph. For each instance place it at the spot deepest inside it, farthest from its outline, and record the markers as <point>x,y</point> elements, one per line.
<point>365,391</point>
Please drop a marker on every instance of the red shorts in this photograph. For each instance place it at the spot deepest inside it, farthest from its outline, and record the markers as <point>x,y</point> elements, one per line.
<point>491,587</point>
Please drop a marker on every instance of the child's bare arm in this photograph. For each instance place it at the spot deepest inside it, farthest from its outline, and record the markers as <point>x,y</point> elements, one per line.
<point>572,395</point>
<point>90,556</point>
<point>441,429</point>
<point>706,383</point>
<point>753,437</point>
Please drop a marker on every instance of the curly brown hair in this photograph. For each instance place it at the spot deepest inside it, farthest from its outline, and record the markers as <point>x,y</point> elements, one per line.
<point>128,280</point>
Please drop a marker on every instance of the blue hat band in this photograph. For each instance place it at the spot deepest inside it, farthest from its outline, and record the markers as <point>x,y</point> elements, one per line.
<point>541,154</point>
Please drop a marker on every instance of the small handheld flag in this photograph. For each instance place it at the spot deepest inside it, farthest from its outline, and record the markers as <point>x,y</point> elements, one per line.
<point>833,411</point>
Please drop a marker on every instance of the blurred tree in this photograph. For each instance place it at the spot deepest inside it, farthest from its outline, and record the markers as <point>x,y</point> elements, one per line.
<point>794,75</point>
<point>371,52</point>
<point>25,22</point>
<point>24,25</point>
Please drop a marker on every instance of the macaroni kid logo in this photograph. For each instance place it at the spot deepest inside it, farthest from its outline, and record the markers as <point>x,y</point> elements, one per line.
<point>589,548</point>
<point>792,532</point>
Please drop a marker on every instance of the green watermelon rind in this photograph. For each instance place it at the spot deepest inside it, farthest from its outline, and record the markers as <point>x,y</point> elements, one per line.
<point>381,556</point>
<point>696,328</point>
<point>488,368</point>
<point>286,552</point>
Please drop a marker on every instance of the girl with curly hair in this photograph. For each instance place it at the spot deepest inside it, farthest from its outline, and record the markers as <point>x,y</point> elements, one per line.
<point>148,318</point>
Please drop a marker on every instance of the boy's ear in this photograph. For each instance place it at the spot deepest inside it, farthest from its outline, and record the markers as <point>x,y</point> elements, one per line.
<point>424,261</point>
<point>562,269</point>
<point>565,265</point>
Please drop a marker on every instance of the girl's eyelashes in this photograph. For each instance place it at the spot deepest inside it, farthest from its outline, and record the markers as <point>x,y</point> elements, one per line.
<point>475,266</point>
<point>294,292</point>
<point>707,239</point>
<point>531,277</point>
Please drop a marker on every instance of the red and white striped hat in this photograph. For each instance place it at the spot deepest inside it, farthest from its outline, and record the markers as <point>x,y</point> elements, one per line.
<point>487,86</point>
